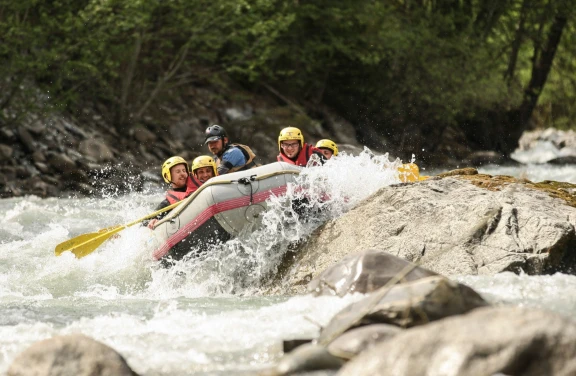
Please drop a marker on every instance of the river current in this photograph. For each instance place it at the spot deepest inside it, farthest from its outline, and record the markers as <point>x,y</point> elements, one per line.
<point>207,316</point>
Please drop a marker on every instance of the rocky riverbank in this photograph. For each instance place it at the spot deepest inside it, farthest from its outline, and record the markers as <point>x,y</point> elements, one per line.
<point>85,155</point>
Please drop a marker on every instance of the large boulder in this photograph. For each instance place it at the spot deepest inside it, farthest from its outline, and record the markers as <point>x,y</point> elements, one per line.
<point>472,224</point>
<point>364,272</point>
<point>405,305</point>
<point>71,355</point>
<point>487,341</point>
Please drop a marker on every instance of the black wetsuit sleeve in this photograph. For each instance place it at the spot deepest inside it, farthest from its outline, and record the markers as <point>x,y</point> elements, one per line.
<point>224,168</point>
<point>161,205</point>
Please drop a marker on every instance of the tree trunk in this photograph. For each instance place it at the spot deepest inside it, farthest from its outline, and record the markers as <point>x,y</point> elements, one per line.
<point>519,36</point>
<point>520,119</point>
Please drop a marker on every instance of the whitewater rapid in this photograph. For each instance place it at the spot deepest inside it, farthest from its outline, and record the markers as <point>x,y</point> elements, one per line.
<point>207,316</point>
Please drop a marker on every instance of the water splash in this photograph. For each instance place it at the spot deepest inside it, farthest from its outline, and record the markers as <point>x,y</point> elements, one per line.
<point>243,265</point>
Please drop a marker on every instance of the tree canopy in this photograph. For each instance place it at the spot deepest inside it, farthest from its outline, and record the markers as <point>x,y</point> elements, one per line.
<point>486,68</point>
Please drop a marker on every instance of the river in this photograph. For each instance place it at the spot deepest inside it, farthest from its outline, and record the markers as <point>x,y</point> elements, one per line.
<point>201,317</point>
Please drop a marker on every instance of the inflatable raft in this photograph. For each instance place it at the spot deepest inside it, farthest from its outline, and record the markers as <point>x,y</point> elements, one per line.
<point>220,209</point>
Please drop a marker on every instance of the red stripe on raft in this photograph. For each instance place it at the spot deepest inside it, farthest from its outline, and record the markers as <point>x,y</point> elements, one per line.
<point>211,211</point>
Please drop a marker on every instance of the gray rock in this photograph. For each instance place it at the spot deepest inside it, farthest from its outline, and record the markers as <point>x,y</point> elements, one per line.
<point>305,358</point>
<point>487,341</point>
<point>451,226</point>
<point>72,355</point>
<point>5,152</point>
<point>61,162</point>
<point>96,150</point>
<point>405,305</point>
<point>26,139</point>
<point>38,156</point>
<point>353,342</point>
<point>144,136</point>
<point>42,167</point>
<point>363,272</point>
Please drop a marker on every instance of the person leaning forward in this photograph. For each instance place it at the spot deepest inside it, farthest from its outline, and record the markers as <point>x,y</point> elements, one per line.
<point>293,150</point>
<point>229,157</point>
<point>175,173</point>
<point>328,148</point>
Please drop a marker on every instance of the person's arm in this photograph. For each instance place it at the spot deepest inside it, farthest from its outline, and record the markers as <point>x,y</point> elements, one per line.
<point>162,205</point>
<point>231,158</point>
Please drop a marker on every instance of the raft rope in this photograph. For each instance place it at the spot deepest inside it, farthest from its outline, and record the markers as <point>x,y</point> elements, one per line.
<point>248,181</point>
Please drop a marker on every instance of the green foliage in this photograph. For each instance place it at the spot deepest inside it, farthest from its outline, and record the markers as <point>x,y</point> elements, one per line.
<point>396,64</point>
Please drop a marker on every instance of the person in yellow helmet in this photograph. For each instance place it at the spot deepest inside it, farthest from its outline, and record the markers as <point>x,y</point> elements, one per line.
<point>292,148</point>
<point>203,168</point>
<point>328,148</point>
<point>175,173</point>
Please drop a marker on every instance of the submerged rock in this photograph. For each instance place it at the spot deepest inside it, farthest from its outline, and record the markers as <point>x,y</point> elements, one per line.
<point>353,342</point>
<point>72,355</point>
<point>305,358</point>
<point>487,341</point>
<point>363,272</point>
<point>405,305</point>
<point>465,224</point>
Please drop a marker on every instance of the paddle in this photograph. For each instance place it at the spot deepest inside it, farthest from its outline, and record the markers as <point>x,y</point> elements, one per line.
<point>409,172</point>
<point>85,244</point>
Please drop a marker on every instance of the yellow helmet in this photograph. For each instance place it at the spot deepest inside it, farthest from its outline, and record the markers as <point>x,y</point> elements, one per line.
<point>168,164</point>
<point>328,144</point>
<point>204,161</point>
<point>290,133</point>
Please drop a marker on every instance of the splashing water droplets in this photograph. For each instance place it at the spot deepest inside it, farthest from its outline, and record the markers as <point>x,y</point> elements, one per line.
<point>246,264</point>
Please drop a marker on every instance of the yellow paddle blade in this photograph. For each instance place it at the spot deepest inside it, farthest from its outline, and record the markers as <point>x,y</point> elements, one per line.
<point>409,172</point>
<point>85,244</point>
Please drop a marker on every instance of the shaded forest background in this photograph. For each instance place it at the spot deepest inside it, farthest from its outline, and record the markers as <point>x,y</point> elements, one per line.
<point>439,74</point>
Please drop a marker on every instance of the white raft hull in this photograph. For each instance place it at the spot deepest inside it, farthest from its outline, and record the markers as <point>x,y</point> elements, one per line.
<point>220,209</point>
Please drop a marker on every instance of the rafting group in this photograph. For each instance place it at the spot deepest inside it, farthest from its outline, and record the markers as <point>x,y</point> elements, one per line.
<point>221,196</point>
<point>231,157</point>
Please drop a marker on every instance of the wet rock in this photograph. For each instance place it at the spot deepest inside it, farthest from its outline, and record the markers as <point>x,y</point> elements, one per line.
<point>42,167</point>
<point>51,180</point>
<point>96,149</point>
<point>5,152</point>
<point>41,188</point>
<point>469,224</point>
<point>71,355</point>
<point>9,172</point>
<point>26,139</point>
<point>363,272</point>
<point>23,172</point>
<point>61,162</point>
<point>240,114</point>
<point>405,305</point>
<point>144,136</point>
<point>353,342</point>
<point>305,358</point>
<point>460,171</point>
<point>38,156</point>
<point>487,341</point>
<point>7,134</point>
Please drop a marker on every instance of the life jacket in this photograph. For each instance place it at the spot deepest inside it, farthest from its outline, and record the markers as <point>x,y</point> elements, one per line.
<point>303,156</point>
<point>192,184</point>
<point>248,155</point>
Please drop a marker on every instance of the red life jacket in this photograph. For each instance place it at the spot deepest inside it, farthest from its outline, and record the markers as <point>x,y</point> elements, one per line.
<point>192,184</point>
<point>303,156</point>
